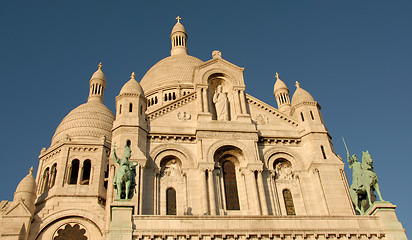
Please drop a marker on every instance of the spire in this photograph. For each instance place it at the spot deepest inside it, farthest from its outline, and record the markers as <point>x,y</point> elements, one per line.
<point>97,85</point>
<point>179,39</point>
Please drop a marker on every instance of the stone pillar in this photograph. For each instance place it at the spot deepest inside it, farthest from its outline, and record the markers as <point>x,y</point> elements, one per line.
<point>121,227</point>
<point>255,193</point>
<point>243,101</point>
<point>205,101</point>
<point>212,198</point>
<point>205,193</point>
<point>237,101</point>
<point>141,169</point>
<point>110,193</point>
<point>389,222</point>
<point>262,195</point>
<point>200,98</point>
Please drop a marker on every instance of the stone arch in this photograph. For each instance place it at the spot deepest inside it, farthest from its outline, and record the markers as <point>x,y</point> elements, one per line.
<point>53,222</point>
<point>272,154</point>
<point>219,71</point>
<point>248,154</point>
<point>162,151</point>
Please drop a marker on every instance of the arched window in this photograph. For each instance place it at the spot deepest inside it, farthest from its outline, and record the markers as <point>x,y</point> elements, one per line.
<point>174,96</point>
<point>229,179</point>
<point>128,142</point>
<point>171,201</point>
<point>311,115</point>
<point>130,107</point>
<point>53,175</point>
<point>301,115</point>
<point>87,166</point>
<point>141,109</point>
<point>120,109</point>
<point>290,207</point>
<point>106,177</point>
<point>46,179</point>
<point>74,173</point>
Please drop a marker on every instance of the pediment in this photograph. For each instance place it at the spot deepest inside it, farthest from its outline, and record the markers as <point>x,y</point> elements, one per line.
<point>219,67</point>
<point>18,210</point>
<point>264,114</point>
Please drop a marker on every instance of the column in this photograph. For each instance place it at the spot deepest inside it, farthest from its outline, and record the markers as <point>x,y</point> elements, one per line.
<point>254,193</point>
<point>141,191</point>
<point>237,102</point>
<point>212,199</point>
<point>205,193</point>
<point>205,100</point>
<point>262,195</point>
<point>109,196</point>
<point>243,101</point>
<point>200,98</point>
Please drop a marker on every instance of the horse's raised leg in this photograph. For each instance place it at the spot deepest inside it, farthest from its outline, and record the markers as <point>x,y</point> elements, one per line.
<point>354,197</point>
<point>376,187</point>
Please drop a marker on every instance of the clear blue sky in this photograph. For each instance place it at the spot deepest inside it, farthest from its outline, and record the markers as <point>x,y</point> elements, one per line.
<point>354,57</point>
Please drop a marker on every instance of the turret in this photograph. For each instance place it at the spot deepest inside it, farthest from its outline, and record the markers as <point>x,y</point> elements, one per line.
<point>97,85</point>
<point>179,39</point>
<point>281,92</point>
<point>26,191</point>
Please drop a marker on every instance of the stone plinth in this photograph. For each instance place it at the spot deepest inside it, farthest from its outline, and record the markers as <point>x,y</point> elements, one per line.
<point>121,227</point>
<point>389,222</point>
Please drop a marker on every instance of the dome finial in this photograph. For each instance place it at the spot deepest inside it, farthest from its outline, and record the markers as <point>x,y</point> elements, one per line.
<point>297,84</point>
<point>178,19</point>
<point>31,170</point>
<point>133,76</point>
<point>100,65</point>
<point>277,76</point>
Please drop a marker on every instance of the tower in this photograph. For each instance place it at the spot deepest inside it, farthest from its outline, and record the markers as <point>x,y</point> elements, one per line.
<point>179,39</point>
<point>281,92</point>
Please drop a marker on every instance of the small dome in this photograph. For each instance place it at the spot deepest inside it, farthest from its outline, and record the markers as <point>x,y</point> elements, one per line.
<point>26,187</point>
<point>99,73</point>
<point>301,95</point>
<point>178,28</point>
<point>132,87</point>
<point>279,84</point>
<point>89,120</point>
<point>171,71</point>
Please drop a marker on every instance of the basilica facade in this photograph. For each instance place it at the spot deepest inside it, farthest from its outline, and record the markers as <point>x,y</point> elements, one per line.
<point>209,161</point>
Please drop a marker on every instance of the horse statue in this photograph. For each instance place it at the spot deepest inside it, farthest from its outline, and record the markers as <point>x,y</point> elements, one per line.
<point>364,181</point>
<point>124,180</point>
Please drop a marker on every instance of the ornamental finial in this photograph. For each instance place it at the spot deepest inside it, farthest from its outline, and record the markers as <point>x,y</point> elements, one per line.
<point>31,170</point>
<point>277,76</point>
<point>133,76</point>
<point>297,84</point>
<point>178,19</point>
<point>100,65</point>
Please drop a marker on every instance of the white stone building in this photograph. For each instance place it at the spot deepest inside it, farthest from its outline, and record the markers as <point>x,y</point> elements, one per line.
<point>212,162</point>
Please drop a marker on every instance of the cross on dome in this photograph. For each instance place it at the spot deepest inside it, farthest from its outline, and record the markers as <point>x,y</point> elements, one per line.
<point>100,65</point>
<point>178,19</point>
<point>277,76</point>
<point>31,170</point>
<point>297,84</point>
<point>133,76</point>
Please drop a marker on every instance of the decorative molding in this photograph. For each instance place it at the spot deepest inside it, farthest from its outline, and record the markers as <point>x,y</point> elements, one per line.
<point>280,140</point>
<point>184,116</point>
<point>227,135</point>
<point>266,107</point>
<point>171,138</point>
<point>294,107</point>
<point>172,106</point>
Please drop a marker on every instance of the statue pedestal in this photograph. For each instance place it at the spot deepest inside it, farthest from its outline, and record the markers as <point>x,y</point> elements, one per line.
<point>386,212</point>
<point>121,226</point>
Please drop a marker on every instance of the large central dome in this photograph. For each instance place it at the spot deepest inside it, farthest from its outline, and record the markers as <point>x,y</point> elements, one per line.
<point>170,71</point>
<point>173,71</point>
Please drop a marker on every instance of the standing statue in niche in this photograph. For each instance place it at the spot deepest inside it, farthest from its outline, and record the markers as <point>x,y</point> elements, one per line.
<point>124,180</point>
<point>364,181</point>
<point>221,104</point>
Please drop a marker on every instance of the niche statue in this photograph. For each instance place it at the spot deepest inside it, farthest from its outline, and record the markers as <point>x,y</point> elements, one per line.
<point>221,104</point>
<point>364,181</point>
<point>124,180</point>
